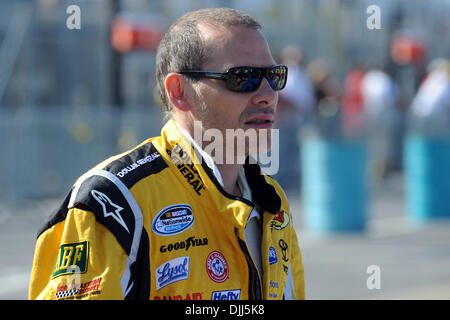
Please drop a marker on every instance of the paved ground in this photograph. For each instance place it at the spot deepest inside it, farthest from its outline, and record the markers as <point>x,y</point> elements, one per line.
<point>414,262</point>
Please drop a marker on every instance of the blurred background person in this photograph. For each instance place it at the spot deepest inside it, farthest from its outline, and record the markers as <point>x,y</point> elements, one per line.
<point>430,109</point>
<point>352,102</point>
<point>380,97</point>
<point>328,95</point>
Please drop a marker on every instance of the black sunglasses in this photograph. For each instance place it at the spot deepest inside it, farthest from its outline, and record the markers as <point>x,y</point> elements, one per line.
<point>246,79</point>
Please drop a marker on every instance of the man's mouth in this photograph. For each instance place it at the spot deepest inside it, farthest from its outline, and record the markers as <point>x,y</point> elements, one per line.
<point>260,121</point>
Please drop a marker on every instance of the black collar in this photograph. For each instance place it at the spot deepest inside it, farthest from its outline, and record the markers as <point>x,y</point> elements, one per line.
<point>263,193</point>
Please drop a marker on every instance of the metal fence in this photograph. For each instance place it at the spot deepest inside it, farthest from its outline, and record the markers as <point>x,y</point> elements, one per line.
<point>44,150</point>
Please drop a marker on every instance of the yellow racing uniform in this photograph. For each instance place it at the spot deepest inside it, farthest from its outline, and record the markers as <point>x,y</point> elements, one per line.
<point>154,223</point>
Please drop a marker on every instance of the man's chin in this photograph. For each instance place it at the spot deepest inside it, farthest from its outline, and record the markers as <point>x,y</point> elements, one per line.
<point>261,147</point>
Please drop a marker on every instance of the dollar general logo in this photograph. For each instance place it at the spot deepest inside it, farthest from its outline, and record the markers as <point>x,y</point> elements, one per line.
<point>72,257</point>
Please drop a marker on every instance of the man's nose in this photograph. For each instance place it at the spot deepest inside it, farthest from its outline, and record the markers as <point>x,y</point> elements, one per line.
<point>265,95</point>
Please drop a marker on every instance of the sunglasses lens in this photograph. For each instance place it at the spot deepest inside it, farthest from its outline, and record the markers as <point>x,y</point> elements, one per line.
<point>247,79</point>
<point>277,77</point>
<point>243,79</point>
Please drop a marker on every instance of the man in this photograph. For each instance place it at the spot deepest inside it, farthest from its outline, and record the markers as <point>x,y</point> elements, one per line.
<point>163,221</point>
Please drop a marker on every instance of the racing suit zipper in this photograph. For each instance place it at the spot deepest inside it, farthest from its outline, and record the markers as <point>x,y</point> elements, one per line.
<point>254,290</point>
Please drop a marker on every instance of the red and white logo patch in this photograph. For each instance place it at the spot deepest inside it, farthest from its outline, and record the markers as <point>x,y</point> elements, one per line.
<point>217,267</point>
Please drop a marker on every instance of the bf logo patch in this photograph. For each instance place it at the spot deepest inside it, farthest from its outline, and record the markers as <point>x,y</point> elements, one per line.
<point>72,258</point>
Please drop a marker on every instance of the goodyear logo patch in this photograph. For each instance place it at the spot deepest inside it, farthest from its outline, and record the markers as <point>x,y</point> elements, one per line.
<point>72,258</point>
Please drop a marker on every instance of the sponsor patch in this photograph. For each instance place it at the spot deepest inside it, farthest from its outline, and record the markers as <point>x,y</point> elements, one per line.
<point>272,255</point>
<point>186,167</point>
<point>186,245</point>
<point>72,258</point>
<point>273,285</point>
<point>191,296</point>
<point>173,219</point>
<point>66,293</point>
<point>284,256</point>
<point>283,246</point>
<point>280,221</point>
<point>172,271</point>
<point>137,164</point>
<point>78,291</point>
<point>217,267</point>
<point>226,295</point>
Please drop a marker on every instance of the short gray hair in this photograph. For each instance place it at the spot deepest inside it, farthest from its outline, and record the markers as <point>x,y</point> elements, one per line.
<point>182,47</point>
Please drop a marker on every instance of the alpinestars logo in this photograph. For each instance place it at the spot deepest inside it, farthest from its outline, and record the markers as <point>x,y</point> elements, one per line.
<point>110,209</point>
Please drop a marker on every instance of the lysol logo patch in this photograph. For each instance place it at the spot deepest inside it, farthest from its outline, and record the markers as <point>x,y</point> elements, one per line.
<point>173,219</point>
<point>72,258</point>
<point>226,295</point>
<point>217,267</point>
<point>172,271</point>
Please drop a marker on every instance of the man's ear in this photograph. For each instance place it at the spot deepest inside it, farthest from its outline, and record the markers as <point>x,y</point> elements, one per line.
<point>175,89</point>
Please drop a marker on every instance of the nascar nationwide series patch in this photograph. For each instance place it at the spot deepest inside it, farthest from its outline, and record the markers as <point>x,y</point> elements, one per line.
<point>173,220</point>
<point>72,258</point>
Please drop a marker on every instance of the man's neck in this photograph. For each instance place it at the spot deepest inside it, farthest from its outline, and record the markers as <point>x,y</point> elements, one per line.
<point>230,175</point>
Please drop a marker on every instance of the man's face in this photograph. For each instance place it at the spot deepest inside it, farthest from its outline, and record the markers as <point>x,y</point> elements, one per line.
<point>216,106</point>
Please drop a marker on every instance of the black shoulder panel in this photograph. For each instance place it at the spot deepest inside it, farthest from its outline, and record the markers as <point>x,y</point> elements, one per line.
<point>103,197</point>
<point>56,216</point>
<point>137,164</point>
<point>110,206</point>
